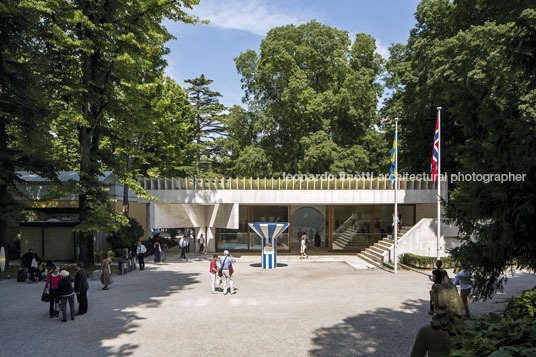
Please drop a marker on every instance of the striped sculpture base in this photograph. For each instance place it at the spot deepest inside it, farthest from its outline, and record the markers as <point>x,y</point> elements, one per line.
<point>269,233</point>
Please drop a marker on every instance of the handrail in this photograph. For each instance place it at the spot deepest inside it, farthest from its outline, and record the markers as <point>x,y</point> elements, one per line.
<point>346,223</point>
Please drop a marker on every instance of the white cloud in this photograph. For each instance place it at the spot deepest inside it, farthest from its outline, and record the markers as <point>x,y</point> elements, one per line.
<point>382,49</point>
<point>254,16</point>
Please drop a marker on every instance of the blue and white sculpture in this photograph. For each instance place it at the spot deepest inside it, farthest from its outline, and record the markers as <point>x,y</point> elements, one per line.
<point>269,233</point>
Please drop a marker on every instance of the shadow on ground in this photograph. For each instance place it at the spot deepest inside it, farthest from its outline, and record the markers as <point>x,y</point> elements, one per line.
<point>259,265</point>
<point>111,313</point>
<point>382,332</point>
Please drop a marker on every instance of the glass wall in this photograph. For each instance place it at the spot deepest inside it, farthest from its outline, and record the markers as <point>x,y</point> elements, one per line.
<point>245,239</point>
<point>269,214</point>
<point>358,227</point>
<point>234,239</point>
<point>310,221</point>
<point>351,227</point>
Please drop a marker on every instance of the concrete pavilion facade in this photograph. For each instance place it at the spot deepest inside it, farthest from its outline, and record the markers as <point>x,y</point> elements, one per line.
<point>337,215</point>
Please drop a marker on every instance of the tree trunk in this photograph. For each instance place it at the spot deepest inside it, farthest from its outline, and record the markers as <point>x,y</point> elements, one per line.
<point>85,238</point>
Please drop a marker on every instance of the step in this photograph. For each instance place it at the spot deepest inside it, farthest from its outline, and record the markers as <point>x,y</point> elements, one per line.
<point>377,250</point>
<point>388,240</point>
<point>370,261</point>
<point>377,259</point>
<point>370,252</point>
<point>383,245</point>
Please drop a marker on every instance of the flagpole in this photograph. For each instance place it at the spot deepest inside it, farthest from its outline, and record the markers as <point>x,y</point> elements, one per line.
<point>395,221</point>
<point>438,181</point>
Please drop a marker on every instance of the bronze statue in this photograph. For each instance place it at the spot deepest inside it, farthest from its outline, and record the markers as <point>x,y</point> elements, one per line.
<point>447,321</point>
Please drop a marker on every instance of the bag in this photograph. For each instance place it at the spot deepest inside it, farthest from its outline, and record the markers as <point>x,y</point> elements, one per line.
<point>220,271</point>
<point>34,263</point>
<point>21,276</point>
<point>45,297</point>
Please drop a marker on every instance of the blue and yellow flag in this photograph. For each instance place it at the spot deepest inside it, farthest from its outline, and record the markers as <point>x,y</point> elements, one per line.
<point>393,162</point>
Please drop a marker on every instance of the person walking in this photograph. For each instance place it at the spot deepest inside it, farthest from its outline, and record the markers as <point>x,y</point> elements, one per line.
<point>164,249</point>
<point>182,244</point>
<point>214,273</point>
<point>65,290</point>
<point>106,272</point>
<point>226,264</point>
<point>303,246</point>
<point>81,287</point>
<point>157,252</point>
<point>140,253</point>
<point>463,278</point>
<point>201,243</point>
<point>317,241</point>
<point>51,285</point>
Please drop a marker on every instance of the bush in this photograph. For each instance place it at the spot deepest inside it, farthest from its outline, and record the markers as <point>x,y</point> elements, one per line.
<point>418,261</point>
<point>126,236</point>
<point>507,333</point>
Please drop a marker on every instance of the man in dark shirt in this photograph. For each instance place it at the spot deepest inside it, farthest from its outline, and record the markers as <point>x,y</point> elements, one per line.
<point>80,288</point>
<point>27,260</point>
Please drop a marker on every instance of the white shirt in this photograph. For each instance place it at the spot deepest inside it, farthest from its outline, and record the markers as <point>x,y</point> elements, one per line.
<point>141,249</point>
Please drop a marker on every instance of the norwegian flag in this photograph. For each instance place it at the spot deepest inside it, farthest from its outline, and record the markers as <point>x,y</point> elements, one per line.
<point>435,152</point>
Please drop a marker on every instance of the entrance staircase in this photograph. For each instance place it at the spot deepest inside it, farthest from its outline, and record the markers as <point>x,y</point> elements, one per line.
<point>376,254</point>
<point>350,239</point>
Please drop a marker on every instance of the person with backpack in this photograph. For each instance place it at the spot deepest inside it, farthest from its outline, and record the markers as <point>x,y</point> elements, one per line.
<point>214,278</point>
<point>226,272</point>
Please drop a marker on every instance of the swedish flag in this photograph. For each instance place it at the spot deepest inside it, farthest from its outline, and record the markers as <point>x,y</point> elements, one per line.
<point>393,162</point>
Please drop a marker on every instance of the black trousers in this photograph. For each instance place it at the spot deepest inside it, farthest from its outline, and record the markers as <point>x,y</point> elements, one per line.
<point>54,300</point>
<point>141,260</point>
<point>64,300</point>
<point>183,253</point>
<point>201,247</point>
<point>82,302</point>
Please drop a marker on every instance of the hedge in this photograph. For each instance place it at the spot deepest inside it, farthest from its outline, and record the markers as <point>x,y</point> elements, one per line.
<point>418,261</point>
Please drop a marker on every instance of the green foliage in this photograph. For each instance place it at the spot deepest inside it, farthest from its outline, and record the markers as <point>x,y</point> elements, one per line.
<point>207,120</point>
<point>126,236</point>
<point>25,126</point>
<point>507,333</point>
<point>476,60</point>
<point>419,261</point>
<point>309,82</point>
<point>252,162</point>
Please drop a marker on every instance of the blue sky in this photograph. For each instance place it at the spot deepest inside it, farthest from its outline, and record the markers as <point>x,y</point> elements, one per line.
<point>239,25</point>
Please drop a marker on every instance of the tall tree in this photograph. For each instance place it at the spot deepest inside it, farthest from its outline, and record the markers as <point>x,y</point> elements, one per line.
<point>307,79</point>
<point>25,138</point>
<point>476,60</point>
<point>207,120</point>
<point>100,50</point>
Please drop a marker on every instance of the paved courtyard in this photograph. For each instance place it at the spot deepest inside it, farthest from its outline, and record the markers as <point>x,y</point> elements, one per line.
<point>303,308</point>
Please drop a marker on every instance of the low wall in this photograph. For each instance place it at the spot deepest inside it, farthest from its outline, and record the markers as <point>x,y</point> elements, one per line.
<point>421,239</point>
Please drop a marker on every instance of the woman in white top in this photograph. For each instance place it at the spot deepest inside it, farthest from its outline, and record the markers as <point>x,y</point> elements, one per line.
<point>303,247</point>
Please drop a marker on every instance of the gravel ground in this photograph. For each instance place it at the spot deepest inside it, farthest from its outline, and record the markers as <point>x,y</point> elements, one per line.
<point>300,309</point>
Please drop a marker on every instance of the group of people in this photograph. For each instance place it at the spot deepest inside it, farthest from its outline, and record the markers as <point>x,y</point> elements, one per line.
<point>60,291</point>
<point>304,240</point>
<point>222,272</point>
<point>32,267</point>
<point>462,278</point>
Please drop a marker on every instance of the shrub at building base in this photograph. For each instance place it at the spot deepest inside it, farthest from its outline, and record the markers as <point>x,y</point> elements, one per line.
<point>125,237</point>
<point>508,333</point>
<point>419,261</point>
